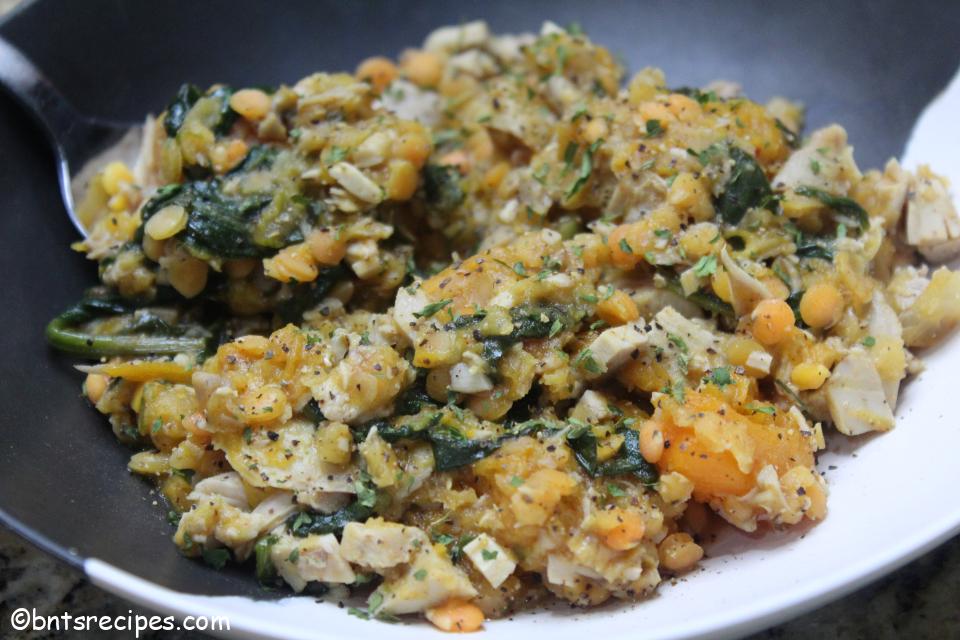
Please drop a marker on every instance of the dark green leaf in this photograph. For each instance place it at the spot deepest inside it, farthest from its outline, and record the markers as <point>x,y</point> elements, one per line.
<point>703,97</point>
<point>177,110</point>
<point>217,225</point>
<point>441,188</point>
<point>227,115</point>
<point>844,206</point>
<point>720,377</point>
<point>307,523</point>
<point>216,558</point>
<point>307,296</point>
<point>654,128</point>
<point>706,301</point>
<point>452,450</point>
<point>432,308</point>
<point>746,188</point>
<point>791,137</point>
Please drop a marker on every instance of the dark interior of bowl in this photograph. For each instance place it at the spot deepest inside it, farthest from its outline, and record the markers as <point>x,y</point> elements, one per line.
<point>871,66</point>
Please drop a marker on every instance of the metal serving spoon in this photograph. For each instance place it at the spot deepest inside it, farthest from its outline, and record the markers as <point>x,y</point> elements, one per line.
<point>77,139</point>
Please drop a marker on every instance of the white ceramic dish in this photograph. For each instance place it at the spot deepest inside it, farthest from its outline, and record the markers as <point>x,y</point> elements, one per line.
<point>891,498</point>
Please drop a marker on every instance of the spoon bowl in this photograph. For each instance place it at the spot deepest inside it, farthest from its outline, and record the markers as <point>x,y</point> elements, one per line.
<point>76,138</point>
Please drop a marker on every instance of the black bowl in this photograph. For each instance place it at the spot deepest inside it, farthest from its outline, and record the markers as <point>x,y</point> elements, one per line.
<point>871,66</point>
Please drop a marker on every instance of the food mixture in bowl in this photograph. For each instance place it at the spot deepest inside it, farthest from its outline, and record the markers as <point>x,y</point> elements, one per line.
<point>492,326</point>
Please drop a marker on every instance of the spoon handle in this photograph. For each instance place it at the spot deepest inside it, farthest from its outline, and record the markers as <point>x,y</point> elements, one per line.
<point>25,82</point>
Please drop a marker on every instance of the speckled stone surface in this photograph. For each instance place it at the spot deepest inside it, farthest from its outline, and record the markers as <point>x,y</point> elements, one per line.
<point>921,600</point>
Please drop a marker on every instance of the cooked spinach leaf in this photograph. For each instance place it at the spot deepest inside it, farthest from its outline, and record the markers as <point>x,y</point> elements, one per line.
<point>306,523</point>
<point>627,461</point>
<point>530,321</point>
<point>846,208</point>
<point>266,572</point>
<point>808,246</point>
<point>452,450</point>
<point>217,225</point>
<point>177,110</point>
<point>746,188</point>
<point>146,334</point>
<point>703,97</point>
<point>216,558</point>
<point>227,115</point>
<point>312,412</point>
<point>441,188</point>
<point>259,157</point>
<point>703,299</point>
<point>790,136</point>
<point>304,297</point>
<point>414,399</point>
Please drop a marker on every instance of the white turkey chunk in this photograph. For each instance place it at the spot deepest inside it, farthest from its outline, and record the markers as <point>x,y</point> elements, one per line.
<point>468,378</point>
<point>566,573</point>
<point>457,38</point>
<point>228,487</point>
<point>856,397</point>
<point>671,330</point>
<point>885,194</point>
<point>613,347</point>
<point>887,352</point>
<point>933,226</point>
<point>906,285</point>
<point>410,300</point>
<point>935,312</point>
<point>409,102</point>
<point>221,515</point>
<point>429,580</point>
<point>591,407</point>
<point>745,290</point>
<point>493,561</point>
<point>356,182</point>
<point>262,461</point>
<point>380,545</point>
<point>761,361</point>
<point>824,162</point>
<point>315,558</point>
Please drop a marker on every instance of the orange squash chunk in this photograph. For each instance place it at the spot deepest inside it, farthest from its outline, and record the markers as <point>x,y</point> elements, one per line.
<point>774,441</point>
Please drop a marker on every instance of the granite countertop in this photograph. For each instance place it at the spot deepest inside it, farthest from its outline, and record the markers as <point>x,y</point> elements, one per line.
<point>918,601</point>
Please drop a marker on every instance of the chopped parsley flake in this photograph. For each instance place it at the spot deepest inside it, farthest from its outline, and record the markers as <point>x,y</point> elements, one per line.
<point>677,341</point>
<point>216,558</point>
<point>767,409</point>
<point>337,154</point>
<point>585,361</point>
<point>720,377</point>
<point>432,308</point>
<point>586,168</point>
<point>555,328</point>
<point>706,266</point>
